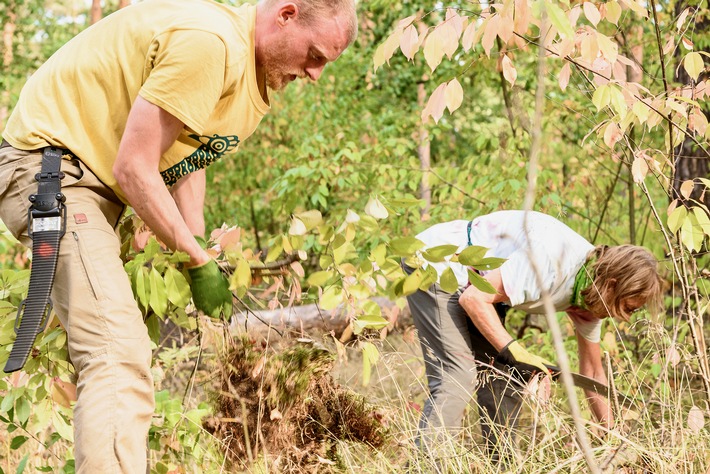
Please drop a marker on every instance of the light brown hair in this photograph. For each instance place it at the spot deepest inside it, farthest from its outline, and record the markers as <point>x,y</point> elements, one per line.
<point>620,273</point>
<point>312,11</point>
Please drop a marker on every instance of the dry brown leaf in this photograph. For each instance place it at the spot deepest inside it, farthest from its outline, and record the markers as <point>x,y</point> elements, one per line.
<point>436,104</point>
<point>409,42</point>
<point>563,77</point>
<point>696,419</point>
<point>639,169</point>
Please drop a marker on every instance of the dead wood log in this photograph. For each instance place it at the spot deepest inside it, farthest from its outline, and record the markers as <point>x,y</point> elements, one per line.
<point>309,319</point>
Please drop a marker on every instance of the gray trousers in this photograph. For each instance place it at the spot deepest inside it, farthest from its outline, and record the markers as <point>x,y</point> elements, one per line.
<point>451,344</point>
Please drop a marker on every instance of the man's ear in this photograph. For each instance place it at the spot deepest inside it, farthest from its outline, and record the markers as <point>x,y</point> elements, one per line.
<point>287,12</point>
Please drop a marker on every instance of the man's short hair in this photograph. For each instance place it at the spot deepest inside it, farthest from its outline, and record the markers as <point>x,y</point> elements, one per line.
<point>311,11</point>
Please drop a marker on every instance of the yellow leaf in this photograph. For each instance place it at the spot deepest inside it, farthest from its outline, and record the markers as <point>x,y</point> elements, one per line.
<point>687,188</point>
<point>698,121</point>
<point>509,71</point>
<point>297,227</point>
<point>589,48</point>
<point>601,97</point>
<point>696,419</point>
<point>409,42</point>
<point>242,275</point>
<point>450,39</point>
<point>406,22</point>
<point>563,77</point>
<point>677,218</point>
<point>391,44</point>
<point>608,47</point>
<point>374,208</point>
<point>434,49</point>
<point>613,12</point>
<point>385,51</point>
<point>636,8</point>
<point>436,104</point>
<point>639,169</point>
<point>641,110</point>
<point>612,134</point>
<point>453,95</point>
<point>592,13</point>
<point>693,64</point>
<point>467,42</point>
<point>379,58</point>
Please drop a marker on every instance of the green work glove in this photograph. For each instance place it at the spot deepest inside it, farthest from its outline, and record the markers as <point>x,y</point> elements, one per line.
<point>210,290</point>
<point>522,364</point>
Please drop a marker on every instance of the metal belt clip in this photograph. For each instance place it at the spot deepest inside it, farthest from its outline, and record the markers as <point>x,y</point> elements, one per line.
<point>46,224</point>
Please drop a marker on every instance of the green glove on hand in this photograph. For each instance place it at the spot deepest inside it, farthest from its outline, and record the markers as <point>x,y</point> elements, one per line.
<point>523,365</point>
<point>210,290</point>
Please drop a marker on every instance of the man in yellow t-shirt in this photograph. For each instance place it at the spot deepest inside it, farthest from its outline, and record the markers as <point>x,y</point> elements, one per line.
<point>140,103</point>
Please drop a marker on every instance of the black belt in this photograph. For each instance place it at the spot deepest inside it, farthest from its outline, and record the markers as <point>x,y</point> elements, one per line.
<point>46,225</point>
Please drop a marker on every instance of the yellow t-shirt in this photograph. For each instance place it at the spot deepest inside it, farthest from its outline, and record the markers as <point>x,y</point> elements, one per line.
<point>193,58</point>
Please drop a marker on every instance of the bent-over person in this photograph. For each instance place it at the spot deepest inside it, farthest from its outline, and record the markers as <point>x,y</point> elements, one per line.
<point>456,329</point>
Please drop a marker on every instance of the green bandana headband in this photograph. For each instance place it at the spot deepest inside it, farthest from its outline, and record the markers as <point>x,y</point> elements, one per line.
<point>583,280</point>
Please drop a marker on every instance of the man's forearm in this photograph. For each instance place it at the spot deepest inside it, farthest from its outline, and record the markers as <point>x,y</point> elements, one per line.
<point>189,195</point>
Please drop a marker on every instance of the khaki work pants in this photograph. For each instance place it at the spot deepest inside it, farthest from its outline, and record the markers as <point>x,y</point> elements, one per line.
<point>451,345</point>
<point>108,341</point>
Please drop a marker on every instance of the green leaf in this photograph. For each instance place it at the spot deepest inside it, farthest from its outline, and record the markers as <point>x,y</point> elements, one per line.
<point>379,254</point>
<point>369,321</point>
<point>177,288</point>
<point>405,246</point>
<point>559,19</point>
<point>370,356</point>
<point>472,255</point>
<point>331,298</point>
<point>62,427</point>
<point>23,463</point>
<point>448,281</point>
<point>677,218</point>
<point>158,293</point>
<point>703,220</point>
<point>22,410</point>
<point>413,282</point>
<point>153,325</point>
<point>319,278</point>
<point>439,253</point>
<point>489,263</point>
<point>481,283</point>
<point>18,441</point>
<point>8,402</point>
<point>143,287</point>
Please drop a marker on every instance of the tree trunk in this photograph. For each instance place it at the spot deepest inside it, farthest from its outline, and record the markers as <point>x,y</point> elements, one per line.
<point>424,152</point>
<point>95,11</point>
<point>308,319</point>
<point>691,161</point>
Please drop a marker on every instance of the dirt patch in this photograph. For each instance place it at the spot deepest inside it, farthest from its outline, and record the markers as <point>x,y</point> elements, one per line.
<point>284,404</point>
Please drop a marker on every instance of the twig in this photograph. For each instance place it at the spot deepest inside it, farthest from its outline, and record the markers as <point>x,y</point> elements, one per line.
<point>562,357</point>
